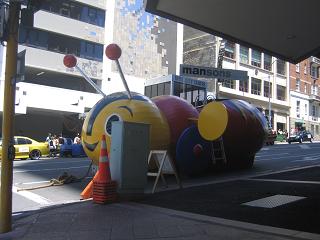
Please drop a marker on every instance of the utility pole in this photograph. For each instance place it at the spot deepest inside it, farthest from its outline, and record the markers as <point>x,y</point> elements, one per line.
<point>222,48</point>
<point>8,119</point>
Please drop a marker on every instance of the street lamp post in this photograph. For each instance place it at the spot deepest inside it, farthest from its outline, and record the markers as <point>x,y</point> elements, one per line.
<point>270,101</point>
<point>273,72</point>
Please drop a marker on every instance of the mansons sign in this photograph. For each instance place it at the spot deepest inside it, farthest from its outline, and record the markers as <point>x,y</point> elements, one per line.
<point>205,72</point>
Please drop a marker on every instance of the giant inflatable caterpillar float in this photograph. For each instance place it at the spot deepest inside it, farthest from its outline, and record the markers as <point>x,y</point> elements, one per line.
<point>177,126</point>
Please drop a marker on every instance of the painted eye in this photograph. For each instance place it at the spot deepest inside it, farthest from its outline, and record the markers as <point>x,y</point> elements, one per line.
<point>110,119</point>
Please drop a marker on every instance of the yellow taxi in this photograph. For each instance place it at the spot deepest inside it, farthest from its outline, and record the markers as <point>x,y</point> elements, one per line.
<point>28,148</point>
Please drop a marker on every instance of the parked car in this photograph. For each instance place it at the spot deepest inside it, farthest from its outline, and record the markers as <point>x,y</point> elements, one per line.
<point>300,137</point>
<point>28,148</point>
<point>65,147</point>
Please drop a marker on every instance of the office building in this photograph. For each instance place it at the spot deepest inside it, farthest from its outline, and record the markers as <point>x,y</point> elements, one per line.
<point>305,95</point>
<point>268,83</point>
<point>53,98</point>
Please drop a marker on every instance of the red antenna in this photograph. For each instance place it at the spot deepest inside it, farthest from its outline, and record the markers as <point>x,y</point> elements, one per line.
<point>113,52</point>
<point>70,61</point>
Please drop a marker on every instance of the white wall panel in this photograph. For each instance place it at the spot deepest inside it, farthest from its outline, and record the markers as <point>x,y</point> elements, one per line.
<point>52,61</point>
<point>67,26</point>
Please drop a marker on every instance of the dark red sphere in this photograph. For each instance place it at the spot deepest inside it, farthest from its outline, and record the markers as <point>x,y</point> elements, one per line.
<point>113,51</point>
<point>70,61</point>
<point>197,150</point>
<point>177,112</point>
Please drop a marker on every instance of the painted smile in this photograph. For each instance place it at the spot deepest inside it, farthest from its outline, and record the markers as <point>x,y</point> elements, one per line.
<point>91,147</point>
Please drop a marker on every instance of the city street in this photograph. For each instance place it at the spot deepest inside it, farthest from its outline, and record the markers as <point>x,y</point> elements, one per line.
<point>34,173</point>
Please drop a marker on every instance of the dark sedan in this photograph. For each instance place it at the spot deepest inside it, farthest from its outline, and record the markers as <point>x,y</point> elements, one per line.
<point>300,137</point>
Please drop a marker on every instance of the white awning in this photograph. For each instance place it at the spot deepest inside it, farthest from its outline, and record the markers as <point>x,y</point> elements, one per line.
<point>287,29</point>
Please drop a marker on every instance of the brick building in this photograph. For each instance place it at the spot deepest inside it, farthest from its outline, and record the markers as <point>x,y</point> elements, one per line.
<point>305,95</point>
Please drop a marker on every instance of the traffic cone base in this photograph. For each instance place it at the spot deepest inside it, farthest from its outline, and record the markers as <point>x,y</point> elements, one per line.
<point>104,189</point>
<point>104,192</point>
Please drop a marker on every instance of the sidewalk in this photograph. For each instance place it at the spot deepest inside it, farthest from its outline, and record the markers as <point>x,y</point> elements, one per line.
<point>86,220</point>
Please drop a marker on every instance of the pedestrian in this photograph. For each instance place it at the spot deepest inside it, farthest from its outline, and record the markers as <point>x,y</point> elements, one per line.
<point>77,139</point>
<point>48,137</point>
<point>52,147</point>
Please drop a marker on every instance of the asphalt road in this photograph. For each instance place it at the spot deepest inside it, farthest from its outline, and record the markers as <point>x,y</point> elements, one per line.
<point>281,190</point>
<point>35,173</point>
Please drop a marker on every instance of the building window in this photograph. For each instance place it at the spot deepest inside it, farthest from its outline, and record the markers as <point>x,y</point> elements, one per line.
<point>267,62</point>
<point>314,72</point>
<point>314,111</point>
<point>244,55</point>
<point>314,90</point>
<point>60,44</point>
<point>305,88</point>
<point>228,84</point>
<point>75,10</point>
<point>305,109</point>
<point>243,86</point>
<point>298,84</point>
<point>255,86</point>
<point>298,109</point>
<point>281,93</point>
<point>255,58</point>
<point>229,49</point>
<point>267,90</point>
<point>305,68</point>
<point>298,67</point>
<point>281,67</point>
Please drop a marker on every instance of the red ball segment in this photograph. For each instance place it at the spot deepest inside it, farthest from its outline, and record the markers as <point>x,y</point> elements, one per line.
<point>113,51</point>
<point>70,61</point>
<point>197,150</point>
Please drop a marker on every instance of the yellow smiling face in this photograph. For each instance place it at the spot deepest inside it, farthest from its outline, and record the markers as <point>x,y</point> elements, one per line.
<point>117,107</point>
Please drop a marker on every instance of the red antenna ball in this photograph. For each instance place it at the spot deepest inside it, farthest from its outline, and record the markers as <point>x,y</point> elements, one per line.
<point>113,51</point>
<point>70,61</point>
<point>197,150</point>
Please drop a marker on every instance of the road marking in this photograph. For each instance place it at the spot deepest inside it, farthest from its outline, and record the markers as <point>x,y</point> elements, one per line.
<point>277,154</point>
<point>315,158</point>
<point>39,182</point>
<point>32,196</point>
<point>40,162</point>
<point>49,169</point>
<point>283,181</point>
<point>268,159</point>
<point>304,146</point>
<point>265,172</point>
<point>30,183</point>
<point>265,157</point>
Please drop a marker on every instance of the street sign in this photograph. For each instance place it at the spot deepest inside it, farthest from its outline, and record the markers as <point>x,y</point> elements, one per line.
<point>206,72</point>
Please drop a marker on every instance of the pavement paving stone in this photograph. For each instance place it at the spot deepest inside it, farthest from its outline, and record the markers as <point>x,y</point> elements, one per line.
<point>93,235</point>
<point>166,231</point>
<point>145,231</point>
<point>122,231</point>
<point>223,232</point>
<point>131,221</point>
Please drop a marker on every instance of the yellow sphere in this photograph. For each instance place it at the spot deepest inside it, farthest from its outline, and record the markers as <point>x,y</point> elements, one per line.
<point>117,107</point>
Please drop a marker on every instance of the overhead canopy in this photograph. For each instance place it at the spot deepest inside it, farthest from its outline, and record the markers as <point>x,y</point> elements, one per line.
<point>287,29</point>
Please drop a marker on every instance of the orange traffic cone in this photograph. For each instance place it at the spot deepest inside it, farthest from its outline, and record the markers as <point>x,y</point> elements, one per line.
<point>104,167</point>
<point>87,192</point>
<point>104,189</point>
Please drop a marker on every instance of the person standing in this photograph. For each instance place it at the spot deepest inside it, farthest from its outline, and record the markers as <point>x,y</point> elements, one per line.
<point>52,147</point>
<point>48,137</point>
<point>77,139</point>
